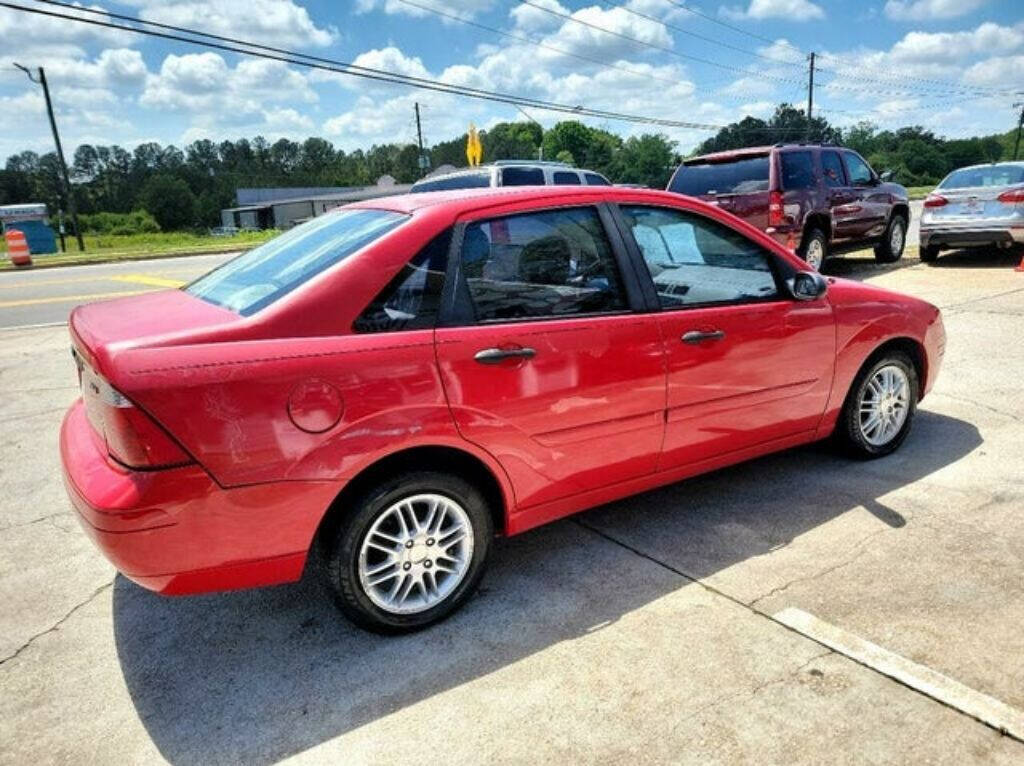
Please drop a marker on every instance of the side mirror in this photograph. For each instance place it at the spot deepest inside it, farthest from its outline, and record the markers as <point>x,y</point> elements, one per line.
<point>807,286</point>
<point>885,176</point>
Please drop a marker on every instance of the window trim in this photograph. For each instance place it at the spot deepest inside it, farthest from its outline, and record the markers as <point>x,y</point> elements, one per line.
<point>457,308</point>
<point>651,293</point>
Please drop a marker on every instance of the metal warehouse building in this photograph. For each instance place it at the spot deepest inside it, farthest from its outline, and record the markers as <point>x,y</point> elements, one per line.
<point>282,208</point>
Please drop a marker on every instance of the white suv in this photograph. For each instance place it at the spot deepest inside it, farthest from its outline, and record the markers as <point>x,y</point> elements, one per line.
<point>511,173</point>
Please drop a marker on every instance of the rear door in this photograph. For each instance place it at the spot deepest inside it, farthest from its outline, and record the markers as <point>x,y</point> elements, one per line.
<point>544,362</point>
<point>747,365</point>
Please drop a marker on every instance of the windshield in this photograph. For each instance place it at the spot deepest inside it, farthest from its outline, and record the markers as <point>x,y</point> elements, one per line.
<point>460,181</point>
<point>989,175</point>
<point>259,277</point>
<point>736,177</point>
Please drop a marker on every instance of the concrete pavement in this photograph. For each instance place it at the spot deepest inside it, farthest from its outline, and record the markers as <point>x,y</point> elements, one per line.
<point>642,630</point>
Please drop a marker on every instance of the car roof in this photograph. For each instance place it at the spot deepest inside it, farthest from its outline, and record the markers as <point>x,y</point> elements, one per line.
<point>730,154</point>
<point>464,200</point>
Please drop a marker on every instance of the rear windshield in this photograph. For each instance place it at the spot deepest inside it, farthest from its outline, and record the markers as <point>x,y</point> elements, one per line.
<point>738,177</point>
<point>460,181</point>
<point>259,277</point>
<point>990,175</point>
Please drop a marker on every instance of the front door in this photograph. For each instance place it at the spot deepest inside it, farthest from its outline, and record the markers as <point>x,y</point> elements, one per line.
<point>548,367</point>
<point>746,364</point>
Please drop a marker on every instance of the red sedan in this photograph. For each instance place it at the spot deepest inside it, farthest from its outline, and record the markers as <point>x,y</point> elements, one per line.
<point>394,383</point>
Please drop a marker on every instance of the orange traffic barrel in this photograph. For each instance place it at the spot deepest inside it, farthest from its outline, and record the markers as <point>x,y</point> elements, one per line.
<point>17,248</point>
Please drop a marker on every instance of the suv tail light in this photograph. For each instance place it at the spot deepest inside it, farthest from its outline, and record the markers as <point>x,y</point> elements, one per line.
<point>935,200</point>
<point>1012,197</point>
<point>775,209</point>
<point>133,438</point>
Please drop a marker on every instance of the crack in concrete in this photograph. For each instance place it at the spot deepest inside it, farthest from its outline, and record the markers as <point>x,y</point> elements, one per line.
<point>26,415</point>
<point>982,405</point>
<point>48,518</point>
<point>947,308</point>
<point>57,625</point>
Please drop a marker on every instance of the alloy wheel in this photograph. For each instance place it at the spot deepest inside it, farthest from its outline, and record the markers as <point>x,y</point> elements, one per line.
<point>815,254</point>
<point>884,405</point>
<point>896,237</point>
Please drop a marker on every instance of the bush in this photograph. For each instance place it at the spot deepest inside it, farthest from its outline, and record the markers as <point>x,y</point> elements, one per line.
<point>135,222</point>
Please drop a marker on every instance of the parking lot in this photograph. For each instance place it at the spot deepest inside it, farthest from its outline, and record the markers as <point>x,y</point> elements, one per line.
<point>655,629</point>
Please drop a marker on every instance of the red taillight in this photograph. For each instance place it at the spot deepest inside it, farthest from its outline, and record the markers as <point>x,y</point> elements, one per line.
<point>935,200</point>
<point>133,438</point>
<point>775,209</point>
<point>1012,197</point>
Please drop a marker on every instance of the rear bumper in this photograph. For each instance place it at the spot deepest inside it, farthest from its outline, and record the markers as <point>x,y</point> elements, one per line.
<point>973,236</point>
<point>176,531</point>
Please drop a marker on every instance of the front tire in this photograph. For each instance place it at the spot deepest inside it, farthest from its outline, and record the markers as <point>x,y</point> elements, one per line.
<point>410,553</point>
<point>880,407</point>
<point>814,249</point>
<point>890,249</point>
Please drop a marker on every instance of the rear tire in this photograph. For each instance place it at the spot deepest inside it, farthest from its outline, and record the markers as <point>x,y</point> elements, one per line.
<point>894,241</point>
<point>880,406</point>
<point>814,249</point>
<point>397,540</point>
<point>928,254</point>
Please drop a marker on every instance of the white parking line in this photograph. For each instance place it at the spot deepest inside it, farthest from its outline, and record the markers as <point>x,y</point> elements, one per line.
<point>988,710</point>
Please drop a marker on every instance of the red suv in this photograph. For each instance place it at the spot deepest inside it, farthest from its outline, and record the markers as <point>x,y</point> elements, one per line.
<point>818,200</point>
<point>393,383</point>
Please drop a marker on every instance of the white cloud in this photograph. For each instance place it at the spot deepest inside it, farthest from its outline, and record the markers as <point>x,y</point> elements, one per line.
<point>33,39</point>
<point>928,10</point>
<point>528,18</point>
<point>937,47</point>
<point>275,22</point>
<point>793,10</point>
<point>996,71</point>
<point>464,8</point>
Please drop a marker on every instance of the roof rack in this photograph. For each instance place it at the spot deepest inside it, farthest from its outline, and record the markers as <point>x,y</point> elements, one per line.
<point>530,162</point>
<point>829,142</point>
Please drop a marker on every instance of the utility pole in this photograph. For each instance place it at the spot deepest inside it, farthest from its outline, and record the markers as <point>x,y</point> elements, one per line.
<point>540,149</point>
<point>419,140</point>
<point>1020,124</point>
<point>68,194</point>
<point>810,95</point>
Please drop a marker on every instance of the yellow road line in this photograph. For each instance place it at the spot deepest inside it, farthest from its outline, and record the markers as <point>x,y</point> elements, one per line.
<point>145,279</point>
<point>5,285</point>
<point>69,299</point>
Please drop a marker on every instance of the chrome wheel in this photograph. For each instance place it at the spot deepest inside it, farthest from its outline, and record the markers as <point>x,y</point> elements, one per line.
<point>896,237</point>
<point>815,254</point>
<point>884,405</point>
<point>416,553</point>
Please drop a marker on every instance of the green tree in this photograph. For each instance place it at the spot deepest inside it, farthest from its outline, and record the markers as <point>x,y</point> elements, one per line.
<point>169,200</point>
<point>647,159</point>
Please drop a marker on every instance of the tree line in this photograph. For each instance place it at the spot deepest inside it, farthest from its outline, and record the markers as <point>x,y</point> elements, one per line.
<point>173,188</point>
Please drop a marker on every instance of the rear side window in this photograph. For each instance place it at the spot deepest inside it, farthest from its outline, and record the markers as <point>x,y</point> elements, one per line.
<point>460,181</point>
<point>546,264</point>
<point>857,169</point>
<point>412,299</point>
<point>696,261</point>
<point>741,176</point>
<point>797,170</point>
<point>261,276</point>
<point>593,179</point>
<point>522,177</point>
<point>832,169</point>
<point>566,178</point>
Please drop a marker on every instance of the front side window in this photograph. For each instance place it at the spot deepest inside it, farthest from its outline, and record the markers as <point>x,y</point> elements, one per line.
<point>696,261</point>
<point>565,178</point>
<point>261,276</point>
<point>522,177</point>
<point>412,299</point>
<point>859,172</point>
<point>547,264</point>
<point>832,169</point>
<point>797,170</point>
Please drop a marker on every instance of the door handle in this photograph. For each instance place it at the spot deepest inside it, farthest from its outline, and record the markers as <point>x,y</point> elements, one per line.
<point>498,355</point>
<point>694,337</point>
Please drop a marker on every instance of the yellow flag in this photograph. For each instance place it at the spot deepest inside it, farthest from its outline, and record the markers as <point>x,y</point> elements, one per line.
<point>474,149</point>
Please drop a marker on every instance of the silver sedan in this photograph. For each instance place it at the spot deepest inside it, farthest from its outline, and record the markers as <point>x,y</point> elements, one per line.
<point>978,206</point>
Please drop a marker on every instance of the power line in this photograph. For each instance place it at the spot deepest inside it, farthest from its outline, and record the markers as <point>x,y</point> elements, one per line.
<point>244,47</point>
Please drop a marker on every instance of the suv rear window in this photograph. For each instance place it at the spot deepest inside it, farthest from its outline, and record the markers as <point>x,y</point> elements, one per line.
<point>797,170</point>
<point>261,276</point>
<point>459,181</point>
<point>522,177</point>
<point>741,176</point>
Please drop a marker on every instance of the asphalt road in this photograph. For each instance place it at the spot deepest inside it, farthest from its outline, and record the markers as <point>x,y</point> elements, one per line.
<point>46,296</point>
<point>658,629</point>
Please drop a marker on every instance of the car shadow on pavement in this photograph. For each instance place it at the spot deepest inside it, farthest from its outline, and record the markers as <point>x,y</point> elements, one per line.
<point>979,258</point>
<point>257,676</point>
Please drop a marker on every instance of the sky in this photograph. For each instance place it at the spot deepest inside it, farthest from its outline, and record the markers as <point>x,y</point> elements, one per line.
<point>953,66</point>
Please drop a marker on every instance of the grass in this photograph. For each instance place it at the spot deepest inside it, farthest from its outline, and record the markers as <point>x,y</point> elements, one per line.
<point>919,192</point>
<point>102,248</point>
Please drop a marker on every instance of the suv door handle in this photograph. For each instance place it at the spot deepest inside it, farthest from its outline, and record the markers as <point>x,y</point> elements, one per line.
<point>498,355</point>
<point>694,337</point>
